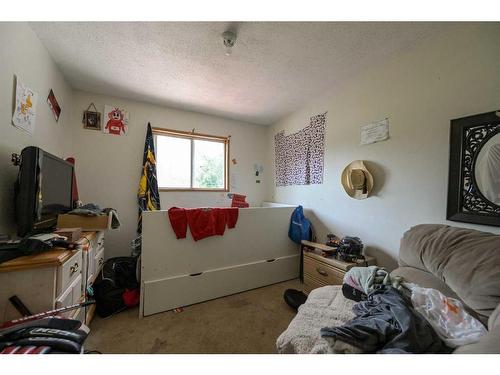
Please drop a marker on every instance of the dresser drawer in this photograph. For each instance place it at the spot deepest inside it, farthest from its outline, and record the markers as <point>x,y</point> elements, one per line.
<point>312,283</point>
<point>323,272</point>
<point>100,240</point>
<point>97,241</point>
<point>88,263</point>
<point>99,261</point>
<point>70,296</point>
<point>69,271</point>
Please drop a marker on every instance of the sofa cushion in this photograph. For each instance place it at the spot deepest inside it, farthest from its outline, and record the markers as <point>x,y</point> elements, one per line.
<point>424,279</point>
<point>467,260</point>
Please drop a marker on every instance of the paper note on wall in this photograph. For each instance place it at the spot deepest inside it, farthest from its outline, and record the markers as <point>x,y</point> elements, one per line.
<point>375,132</point>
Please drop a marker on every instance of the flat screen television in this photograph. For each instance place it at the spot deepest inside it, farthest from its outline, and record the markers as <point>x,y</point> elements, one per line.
<point>43,190</point>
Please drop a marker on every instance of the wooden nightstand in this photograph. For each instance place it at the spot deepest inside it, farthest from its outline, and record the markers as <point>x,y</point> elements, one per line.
<point>320,271</point>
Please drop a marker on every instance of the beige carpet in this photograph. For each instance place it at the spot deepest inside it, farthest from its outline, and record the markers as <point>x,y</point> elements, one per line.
<point>247,322</point>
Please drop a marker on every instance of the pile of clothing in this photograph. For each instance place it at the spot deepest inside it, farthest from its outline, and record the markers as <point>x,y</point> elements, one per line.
<point>396,317</point>
<point>91,209</point>
<point>202,222</point>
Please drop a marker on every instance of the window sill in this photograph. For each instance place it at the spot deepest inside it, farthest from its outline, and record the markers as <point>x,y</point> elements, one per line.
<point>193,189</point>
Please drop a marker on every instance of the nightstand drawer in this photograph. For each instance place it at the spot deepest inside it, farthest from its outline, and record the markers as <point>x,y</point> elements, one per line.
<point>322,271</point>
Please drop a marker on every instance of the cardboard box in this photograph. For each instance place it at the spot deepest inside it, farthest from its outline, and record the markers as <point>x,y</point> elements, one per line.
<point>100,222</point>
<point>72,234</point>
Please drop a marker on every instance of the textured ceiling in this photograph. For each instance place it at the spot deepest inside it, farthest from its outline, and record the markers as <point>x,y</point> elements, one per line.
<point>274,67</point>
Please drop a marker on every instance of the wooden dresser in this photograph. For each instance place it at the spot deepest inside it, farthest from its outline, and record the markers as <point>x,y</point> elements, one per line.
<point>53,278</point>
<point>320,271</point>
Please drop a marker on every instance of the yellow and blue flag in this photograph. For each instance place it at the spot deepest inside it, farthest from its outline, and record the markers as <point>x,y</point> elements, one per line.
<point>148,195</point>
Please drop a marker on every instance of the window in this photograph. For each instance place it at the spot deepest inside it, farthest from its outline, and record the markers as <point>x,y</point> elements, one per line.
<point>191,161</point>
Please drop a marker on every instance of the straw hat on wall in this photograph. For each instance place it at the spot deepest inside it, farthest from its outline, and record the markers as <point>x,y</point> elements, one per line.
<point>357,180</point>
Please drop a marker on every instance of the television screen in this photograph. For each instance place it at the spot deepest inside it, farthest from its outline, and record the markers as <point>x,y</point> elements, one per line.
<point>56,178</point>
<point>43,190</point>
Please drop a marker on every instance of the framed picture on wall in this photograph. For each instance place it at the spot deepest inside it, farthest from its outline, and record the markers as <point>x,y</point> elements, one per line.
<point>54,105</point>
<point>91,119</point>
<point>474,172</point>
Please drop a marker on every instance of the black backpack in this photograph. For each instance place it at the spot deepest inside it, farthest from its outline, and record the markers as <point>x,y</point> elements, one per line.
<point>117,275</point>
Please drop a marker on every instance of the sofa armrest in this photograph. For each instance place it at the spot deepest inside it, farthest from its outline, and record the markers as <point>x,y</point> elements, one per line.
<point>488,344</point>
<point>494,320</point>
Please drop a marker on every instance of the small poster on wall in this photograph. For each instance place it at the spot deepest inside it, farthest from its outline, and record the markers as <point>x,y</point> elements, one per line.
<point>116,120</point>
<point>54,105</point>
<point>25,108</point>
<point>375,132</point>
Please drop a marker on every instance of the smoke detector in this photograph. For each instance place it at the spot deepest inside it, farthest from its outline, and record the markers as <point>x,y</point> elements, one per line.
<point>229,38</point>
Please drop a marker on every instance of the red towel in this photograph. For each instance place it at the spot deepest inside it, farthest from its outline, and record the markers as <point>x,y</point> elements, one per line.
<point>203,222</point>
<point>178,220</point>
<point>231,216</point>
<point>220,221</point>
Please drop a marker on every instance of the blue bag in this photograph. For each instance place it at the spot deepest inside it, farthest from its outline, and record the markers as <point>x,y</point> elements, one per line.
<point>300,227</point>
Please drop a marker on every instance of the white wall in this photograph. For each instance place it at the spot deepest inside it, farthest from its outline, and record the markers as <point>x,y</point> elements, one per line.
<point>444,77</point>
<point>108,167</point>
<point>22,54</point>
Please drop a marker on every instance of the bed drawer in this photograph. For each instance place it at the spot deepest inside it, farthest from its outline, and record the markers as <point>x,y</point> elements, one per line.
<point>169,293</point>
<point>323,272</point>
<point>69,271</point>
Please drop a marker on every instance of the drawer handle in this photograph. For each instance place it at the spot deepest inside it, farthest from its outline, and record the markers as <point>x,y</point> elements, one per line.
<point>322,272</point>
<point>73,269</point>
<point>196,274</point>
<point>270,260</point>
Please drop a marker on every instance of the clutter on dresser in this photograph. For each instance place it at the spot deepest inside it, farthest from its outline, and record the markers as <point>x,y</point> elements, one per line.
<point>53,277</point>
<point>31,245</point>
<point>90,217</point>
<point>322,266</point>
<point>71,234</point>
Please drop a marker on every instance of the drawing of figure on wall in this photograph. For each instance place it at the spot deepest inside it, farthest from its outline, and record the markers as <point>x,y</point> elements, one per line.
<point>117,123</point>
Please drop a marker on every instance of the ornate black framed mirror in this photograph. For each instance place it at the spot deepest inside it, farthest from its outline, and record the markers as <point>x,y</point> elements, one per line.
<point>474,171</point>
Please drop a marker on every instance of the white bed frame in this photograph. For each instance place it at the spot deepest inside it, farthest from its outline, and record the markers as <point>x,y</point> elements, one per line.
<point>177,273</point>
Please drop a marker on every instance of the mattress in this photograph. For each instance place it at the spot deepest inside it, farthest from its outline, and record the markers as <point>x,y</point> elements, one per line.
<point>325,307</point>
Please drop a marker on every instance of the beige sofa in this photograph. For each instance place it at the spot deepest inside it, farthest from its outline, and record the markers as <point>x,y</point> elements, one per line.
<point>461,263</point>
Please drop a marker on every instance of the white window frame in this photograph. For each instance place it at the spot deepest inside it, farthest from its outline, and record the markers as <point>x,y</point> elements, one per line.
<point>193,136</point>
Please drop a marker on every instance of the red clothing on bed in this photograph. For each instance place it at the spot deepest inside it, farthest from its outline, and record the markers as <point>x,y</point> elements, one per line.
<point>202,222</point>
<point>178,220</point>
<point>231,216</point>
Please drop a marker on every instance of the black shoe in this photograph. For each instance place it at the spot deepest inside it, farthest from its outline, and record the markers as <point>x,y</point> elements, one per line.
<point>294,298</point>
